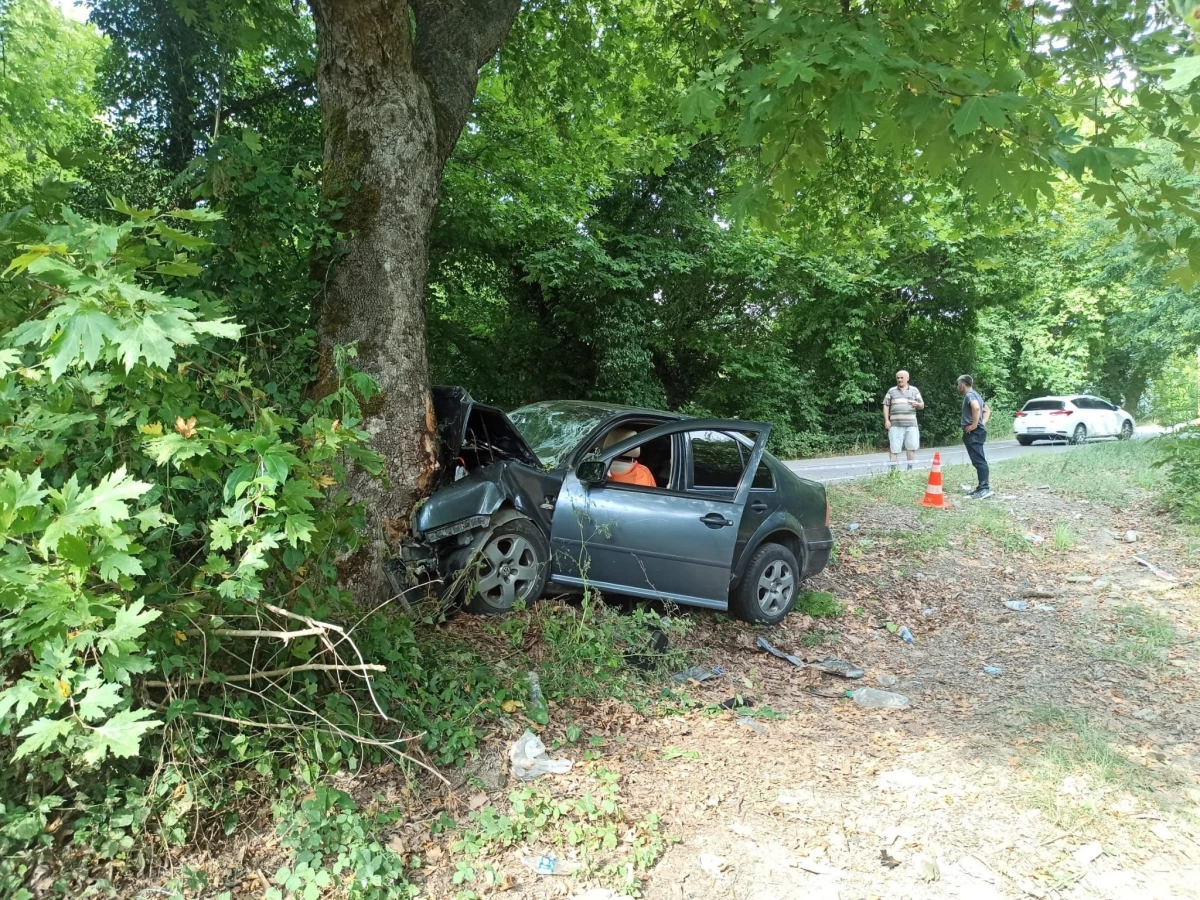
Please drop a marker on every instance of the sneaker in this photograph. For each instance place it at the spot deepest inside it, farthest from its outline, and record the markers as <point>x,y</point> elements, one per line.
<point>982,493</point>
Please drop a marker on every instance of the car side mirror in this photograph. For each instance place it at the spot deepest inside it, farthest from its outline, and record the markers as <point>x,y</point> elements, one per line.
<point>591,471</point>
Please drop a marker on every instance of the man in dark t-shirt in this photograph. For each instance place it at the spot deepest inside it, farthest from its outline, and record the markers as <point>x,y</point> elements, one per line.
<point>975,415</point>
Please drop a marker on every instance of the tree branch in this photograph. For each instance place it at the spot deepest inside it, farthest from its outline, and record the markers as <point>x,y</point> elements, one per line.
<point>272,673</point>
<point>455,38</point>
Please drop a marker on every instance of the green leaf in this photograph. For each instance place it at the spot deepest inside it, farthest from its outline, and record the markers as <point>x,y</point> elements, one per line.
<point>992,110</point>
<point>96,703</point>
<point>179,269</point>
<point>180,238</point>
<point>119,736</point>
<point>41,735</point>
<point>700,103</point>
<point>129,625</point>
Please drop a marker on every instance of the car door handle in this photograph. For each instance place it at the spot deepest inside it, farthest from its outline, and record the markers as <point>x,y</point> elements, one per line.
<point>715,520</point>
<point>758,506</point>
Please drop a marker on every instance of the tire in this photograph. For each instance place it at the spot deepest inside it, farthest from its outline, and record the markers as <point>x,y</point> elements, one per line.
<point>1024,440</point>
<point>768,590</point>
<point>512,564</point>
<point>1126,431</point>
<point>1079,435</point>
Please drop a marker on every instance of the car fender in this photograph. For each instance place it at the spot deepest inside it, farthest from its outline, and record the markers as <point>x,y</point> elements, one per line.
<point>484,491</point>
<point>780,520</point>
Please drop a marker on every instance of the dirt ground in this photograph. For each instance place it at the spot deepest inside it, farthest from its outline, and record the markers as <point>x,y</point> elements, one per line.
<point>1073,773</point>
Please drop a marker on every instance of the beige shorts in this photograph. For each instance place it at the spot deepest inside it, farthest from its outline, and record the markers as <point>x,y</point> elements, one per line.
<point>904,437</point>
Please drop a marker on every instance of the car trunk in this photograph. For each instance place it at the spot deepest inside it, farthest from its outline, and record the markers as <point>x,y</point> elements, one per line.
<point>1040,417</point>
<point>473,435</point>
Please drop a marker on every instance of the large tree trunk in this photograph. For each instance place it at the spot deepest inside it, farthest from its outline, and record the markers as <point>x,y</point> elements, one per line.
<point>396,81</point>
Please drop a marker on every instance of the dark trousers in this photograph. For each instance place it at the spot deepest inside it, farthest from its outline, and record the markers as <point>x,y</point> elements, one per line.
<point>973,441</point>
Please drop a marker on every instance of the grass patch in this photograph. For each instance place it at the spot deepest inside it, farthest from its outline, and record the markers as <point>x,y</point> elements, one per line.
<point>1064,536</point>
<point>1143,637</point>
<point>1075,744</point>
<point>614,848</point>
<point>818,604</point>
<point>1109,471</point>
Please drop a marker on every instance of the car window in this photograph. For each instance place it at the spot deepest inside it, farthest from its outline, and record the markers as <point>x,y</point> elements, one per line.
<point>1042,405</point>
<point>1103,404</point>
<point>717,460</point>
<point>1082,403</point>
<point>764,478</point>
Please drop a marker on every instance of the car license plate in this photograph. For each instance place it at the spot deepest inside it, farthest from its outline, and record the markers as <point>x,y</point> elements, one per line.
<point>1037,430</point>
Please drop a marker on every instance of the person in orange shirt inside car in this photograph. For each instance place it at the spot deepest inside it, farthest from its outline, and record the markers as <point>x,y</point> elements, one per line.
<point>626,469</point>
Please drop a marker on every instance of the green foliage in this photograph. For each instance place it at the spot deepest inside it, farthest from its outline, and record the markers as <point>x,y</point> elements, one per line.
<point>46,102</point>
<point>818,604</point>
<point>334,844</point>
<point>146,490</point>
<point>1180,460</point>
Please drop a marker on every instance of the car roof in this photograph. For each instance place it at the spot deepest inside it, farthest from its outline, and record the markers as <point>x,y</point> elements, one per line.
<point>609,409</point>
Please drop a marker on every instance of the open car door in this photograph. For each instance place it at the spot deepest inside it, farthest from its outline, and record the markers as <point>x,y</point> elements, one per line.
<point>668,541</point>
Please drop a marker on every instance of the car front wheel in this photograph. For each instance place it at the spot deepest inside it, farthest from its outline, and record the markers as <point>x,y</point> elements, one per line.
<point>512,565</point>
<point>1126,431</point>
<point>768,589</point>
<point>1079,436</point>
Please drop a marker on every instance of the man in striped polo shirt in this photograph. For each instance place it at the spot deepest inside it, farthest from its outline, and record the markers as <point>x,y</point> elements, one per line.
<point>900,406</point>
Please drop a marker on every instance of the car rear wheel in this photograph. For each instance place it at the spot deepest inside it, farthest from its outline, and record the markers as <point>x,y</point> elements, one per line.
<point>768,589</point>
<point>1126,431</point>
<point>512,565</point>
<point>1024,440</point>
<point>1079,435</point>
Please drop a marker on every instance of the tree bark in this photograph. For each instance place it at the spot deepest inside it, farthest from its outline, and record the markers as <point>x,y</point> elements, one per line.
<point>395,82</point>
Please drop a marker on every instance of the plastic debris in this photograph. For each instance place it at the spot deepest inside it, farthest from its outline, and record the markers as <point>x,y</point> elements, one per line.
<point>1079,579</point>
<point>551,865</point>
<point>762,644</point>
<point>905,634</point>
<point>1035,539</point>
<point>927,868</point>
<point>1153,568</point>
<point>991,670</point>
<point>735,703</point>
<point>1044,607</point>
<point>928,612</point>
<point>647,660</point>
<point>537,703</point>
<point>886,680</point>
<point>854,526</point>
<point>1018,605</point>
<point>697,673</point>
<point>1131,537</point>
<point>873,698</point>
<point>751,723</point>
<point>529,759</point>
<point>838,667</point>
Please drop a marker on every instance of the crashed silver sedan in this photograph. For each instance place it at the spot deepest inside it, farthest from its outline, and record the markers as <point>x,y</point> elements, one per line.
<point>628,501</point>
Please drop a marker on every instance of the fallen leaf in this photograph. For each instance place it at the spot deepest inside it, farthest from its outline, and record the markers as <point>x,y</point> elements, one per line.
<point>187,428</point>
<point>511,706</point>
<point>478,801</point>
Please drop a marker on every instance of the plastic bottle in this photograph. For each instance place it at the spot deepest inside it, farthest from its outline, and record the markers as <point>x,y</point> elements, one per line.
<point>873,698</point>
<point>1018,605</point>
<point>905,634</point>
<point>537,702</point>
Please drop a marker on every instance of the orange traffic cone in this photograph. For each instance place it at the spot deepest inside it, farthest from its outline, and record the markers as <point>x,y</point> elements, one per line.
<point>933,491</point>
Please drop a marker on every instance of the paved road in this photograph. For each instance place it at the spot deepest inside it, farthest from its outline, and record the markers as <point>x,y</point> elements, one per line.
<point>843,468</point>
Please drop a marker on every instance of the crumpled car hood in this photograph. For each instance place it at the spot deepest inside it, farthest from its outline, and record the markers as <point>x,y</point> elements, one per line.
<point>462,421</point>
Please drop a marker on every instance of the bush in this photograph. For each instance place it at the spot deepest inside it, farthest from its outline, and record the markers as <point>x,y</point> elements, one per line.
<point>1180,458</point>
<point>149,500</point>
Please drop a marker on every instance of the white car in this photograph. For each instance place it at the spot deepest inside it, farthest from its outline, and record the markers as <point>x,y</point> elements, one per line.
<point>1075,418</point>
